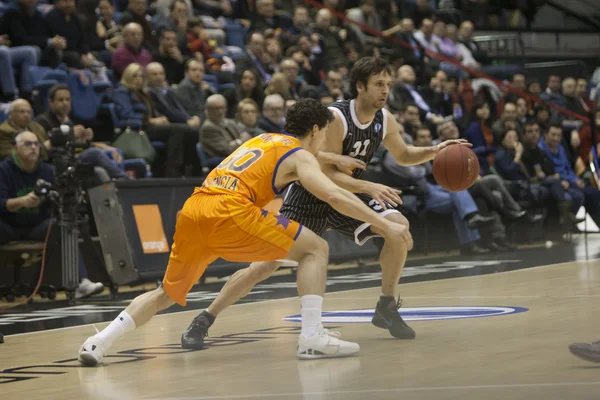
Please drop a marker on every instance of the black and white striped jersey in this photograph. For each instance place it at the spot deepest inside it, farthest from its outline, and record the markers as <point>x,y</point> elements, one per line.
<point>360,141</point>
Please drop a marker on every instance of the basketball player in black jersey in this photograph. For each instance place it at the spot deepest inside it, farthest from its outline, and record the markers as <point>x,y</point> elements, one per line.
<point>359,127</point>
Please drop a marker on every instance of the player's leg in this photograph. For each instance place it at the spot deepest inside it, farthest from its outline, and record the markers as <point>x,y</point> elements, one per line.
<point>187,262</point>
<point>309,250</point>
<point>242,281</point>
<point>392,260</point>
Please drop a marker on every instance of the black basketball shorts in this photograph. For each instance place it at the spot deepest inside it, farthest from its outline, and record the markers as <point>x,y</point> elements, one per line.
<point>321,217</point>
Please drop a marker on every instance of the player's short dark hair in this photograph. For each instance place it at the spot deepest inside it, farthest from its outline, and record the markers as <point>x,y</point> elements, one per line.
<point>364,68</point>
<point>304,114</point>
<point>56,88</point>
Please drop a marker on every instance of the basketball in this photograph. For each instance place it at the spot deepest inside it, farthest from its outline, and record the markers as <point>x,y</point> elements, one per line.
<point>455,168</point>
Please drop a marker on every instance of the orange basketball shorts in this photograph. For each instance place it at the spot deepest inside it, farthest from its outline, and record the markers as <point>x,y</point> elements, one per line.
<point>229,227</point>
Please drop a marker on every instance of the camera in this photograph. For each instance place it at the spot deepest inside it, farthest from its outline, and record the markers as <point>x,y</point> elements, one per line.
<point>68,197</point>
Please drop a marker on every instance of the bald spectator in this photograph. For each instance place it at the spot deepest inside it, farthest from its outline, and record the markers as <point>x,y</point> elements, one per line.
<point>192,91</point>
<point>165,102</point>
<point>273,114</point>
<point>220,136</point>
<point>131,51</point>
<point>137,11</point>
<point>19,118</point>
<point>405,91</point>
<point>252,59</point>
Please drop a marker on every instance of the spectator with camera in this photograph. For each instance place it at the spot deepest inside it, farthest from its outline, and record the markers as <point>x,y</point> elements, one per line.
<point>23,215</point>
<point>59,99</point>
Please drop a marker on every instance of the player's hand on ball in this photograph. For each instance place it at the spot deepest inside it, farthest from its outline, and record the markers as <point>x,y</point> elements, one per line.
<point>384,195</point>
<point>447,143</point>
<point>347,164</point>
<point>402,232</point>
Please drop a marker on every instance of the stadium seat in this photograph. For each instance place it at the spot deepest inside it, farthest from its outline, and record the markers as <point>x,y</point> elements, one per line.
<point>46,73</point>
<point>236,35</point>
<point>84,97</point>
<point>207,163</point>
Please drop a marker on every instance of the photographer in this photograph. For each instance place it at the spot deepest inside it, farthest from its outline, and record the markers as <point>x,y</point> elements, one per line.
<point>22,215</point>
<point>59,99</point>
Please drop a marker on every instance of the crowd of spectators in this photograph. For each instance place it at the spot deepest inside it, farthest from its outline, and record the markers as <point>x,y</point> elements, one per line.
<point>158,57</point>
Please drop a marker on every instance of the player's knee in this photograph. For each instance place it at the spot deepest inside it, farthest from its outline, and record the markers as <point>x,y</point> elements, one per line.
<point>399,219</point>
<point>260,271</point>
<point>321,248</point>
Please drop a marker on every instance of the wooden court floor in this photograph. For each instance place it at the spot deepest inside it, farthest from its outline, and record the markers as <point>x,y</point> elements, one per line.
<point>252,354</point>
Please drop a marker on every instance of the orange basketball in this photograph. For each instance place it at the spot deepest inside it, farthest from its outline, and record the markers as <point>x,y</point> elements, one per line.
<point>455,168</point>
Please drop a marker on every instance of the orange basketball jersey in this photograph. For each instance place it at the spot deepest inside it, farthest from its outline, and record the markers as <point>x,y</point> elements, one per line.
<point>250,171</point>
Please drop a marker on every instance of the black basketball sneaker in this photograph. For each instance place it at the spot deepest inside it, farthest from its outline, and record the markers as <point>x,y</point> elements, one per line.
<point>587,351</point>
<point>387,317</point>
<point>193,337</point>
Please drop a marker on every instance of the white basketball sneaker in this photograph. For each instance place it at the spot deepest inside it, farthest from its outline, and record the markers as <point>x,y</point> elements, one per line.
<point>91,352</point>
<point>324,344</point>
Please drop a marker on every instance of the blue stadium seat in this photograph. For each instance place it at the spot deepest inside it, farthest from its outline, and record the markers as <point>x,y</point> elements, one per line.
<point>84,98</point>
<point>40,73</point>
<point>236,35</point>
<point>207,163</point>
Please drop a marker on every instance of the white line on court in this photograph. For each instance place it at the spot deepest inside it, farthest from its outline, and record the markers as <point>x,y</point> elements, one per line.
<point>296,298</point>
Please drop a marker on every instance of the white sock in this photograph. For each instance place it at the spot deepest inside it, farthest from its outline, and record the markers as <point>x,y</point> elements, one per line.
<point>120,326</point>
<point>311,314</point>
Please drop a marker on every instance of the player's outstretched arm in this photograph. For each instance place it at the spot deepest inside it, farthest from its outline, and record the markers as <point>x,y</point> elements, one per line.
<point>411,155</point>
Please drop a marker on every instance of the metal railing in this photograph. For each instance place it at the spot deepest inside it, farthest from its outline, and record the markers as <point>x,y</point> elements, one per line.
<point>502,45</point>
<point>542,70</point>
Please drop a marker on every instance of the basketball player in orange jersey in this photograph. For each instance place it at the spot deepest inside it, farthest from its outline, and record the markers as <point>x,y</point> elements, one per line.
<point>359,127</point>
<point>224,218</point>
